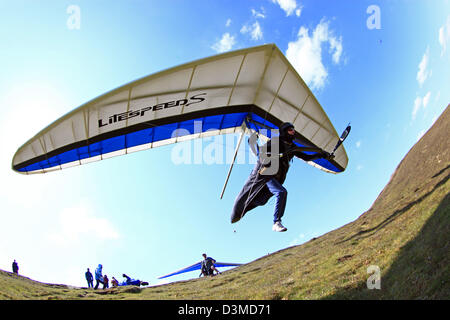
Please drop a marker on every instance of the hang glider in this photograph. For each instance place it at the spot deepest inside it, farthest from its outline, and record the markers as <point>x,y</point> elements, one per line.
<point>197,266</point>
<point>241,91</point>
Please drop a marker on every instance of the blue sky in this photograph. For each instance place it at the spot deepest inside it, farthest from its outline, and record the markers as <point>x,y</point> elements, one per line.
<point>144,215</point>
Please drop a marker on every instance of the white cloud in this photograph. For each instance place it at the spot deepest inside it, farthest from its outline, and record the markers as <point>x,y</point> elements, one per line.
<point>78,222</point>
<point>336,46</point>
<point>258,14</point>
<point>245,29</point>
<point>420,102</point>
<point>254,30</point>
<point>438,96</point>
<point>444,36</point>
<point>358,144</point>
<point>305,53</point>
<point>423,72</point>
<point>426,99</point>
<point>289,6</point>
<point>417,105</point>
<point>298,12</point>
<point>228,23</point>
<point>359,167</point>
<point>226,43</point>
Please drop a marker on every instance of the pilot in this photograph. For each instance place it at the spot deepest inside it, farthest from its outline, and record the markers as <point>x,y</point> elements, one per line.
<point>269,174</point>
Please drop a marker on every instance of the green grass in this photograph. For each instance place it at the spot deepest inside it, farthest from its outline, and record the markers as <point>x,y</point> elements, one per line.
<point>405,233</point>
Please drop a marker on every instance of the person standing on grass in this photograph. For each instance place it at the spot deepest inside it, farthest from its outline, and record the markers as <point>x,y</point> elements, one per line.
<point>89,278</point>
<point>15,267</point>
<point>105,282</point>
<point>98,276</point>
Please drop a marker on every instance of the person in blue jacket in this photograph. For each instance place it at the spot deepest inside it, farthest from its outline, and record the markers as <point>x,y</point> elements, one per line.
<point>98,276</point>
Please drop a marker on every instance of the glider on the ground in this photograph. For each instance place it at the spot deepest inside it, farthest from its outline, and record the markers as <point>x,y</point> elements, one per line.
<point>198,266</point>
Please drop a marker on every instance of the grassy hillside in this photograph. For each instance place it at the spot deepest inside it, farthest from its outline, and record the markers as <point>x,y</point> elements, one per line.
<point>405,234</point>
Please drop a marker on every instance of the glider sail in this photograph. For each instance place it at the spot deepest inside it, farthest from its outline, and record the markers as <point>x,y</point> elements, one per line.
<point>198,266</point>
<point>244,90</point>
